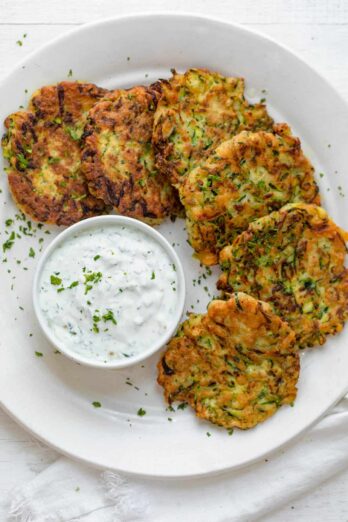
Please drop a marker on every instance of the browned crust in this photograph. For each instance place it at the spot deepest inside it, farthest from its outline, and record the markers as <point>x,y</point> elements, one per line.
<point>235,365</point>
<point>294,260</point>
<point>44,176</point>
<point>67,100</point>
<point>220,100</point>
<point>243,179</point>
<point>118,159</point>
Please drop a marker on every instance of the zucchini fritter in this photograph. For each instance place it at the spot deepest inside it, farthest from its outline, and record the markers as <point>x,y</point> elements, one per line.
<point>235,365</point>
<point>294,260</point>
<point>118,158</point>
<point>42,146</point>
<point>197,111</point>
<point>245,178</point>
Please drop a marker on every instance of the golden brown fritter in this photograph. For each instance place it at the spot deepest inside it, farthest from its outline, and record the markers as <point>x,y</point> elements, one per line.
<point>294,260</point>
<point>197,111</point>
<point>42,146</point>
<point>245,178</point>
<point>235,365</point>
<point>118,158</point>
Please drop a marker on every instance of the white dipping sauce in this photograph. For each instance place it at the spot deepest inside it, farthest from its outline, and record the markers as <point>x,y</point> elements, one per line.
<point>109,292</point>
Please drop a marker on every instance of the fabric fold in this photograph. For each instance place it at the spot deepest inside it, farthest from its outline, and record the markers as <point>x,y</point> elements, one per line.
<point>67,491</point>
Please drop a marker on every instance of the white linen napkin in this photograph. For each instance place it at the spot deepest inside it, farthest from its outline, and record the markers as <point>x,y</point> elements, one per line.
<point>69,491</point>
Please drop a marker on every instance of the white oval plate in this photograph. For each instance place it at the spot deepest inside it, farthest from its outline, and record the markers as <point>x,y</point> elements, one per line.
<point>50,395</point>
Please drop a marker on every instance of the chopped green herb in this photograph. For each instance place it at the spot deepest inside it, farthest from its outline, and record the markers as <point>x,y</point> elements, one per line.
<point>208,434</point>
<point>70,73</point>
<point>109,316</point>
<point>91,277</point>
<point>95,328</point>
<point>9,243</point>
<point>55,280</point>
<point>96,404</point>
<point>141,412</point>
<point>51,160</point>
<point>31,252</point>
<point>39,354</point>
<point>96,257</point>
<point>75,134</point>
<point>153,275</point>
<point>77,197</point>
<point>22,161</point>
<point>73,284</point>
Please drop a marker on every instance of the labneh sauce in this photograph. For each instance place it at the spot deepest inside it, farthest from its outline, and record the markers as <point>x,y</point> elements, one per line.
<point>108,292</point>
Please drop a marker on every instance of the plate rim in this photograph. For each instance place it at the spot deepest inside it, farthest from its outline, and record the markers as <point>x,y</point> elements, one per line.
<point>229,24</point>
<point>171,477</point>
<point>179,14</point>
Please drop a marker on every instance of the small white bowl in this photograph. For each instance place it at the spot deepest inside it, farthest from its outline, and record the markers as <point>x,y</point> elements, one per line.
<point>92,223</point>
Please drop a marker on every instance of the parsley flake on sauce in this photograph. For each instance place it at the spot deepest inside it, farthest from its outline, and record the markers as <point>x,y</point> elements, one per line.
<point>141,412</point>
<point>96,404</point>
<point>91,278</point>
<point>55,280</point>
<point>109,316</point>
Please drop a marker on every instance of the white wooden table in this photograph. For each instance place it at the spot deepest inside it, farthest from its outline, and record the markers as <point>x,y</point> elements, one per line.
<point>316,29</point>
